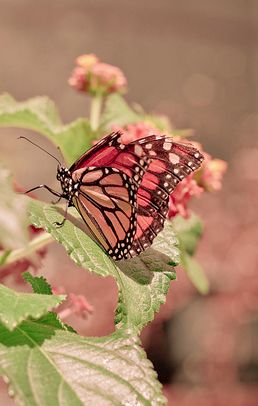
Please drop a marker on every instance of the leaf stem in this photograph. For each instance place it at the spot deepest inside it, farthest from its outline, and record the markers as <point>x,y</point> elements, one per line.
<point>38,242</point>
<point>95,111</point>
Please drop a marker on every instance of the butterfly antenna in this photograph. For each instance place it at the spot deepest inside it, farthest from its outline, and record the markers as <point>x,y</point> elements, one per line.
<point>38,146</point>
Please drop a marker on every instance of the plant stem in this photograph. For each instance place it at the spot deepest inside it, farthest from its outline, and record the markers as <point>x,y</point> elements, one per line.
<point>95,111</point>
<point>38,242</point>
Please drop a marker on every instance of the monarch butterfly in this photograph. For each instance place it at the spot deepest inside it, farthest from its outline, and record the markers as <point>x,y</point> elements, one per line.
<point>122,190</point>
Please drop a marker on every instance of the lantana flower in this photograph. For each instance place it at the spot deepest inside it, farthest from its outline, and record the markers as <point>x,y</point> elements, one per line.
<point>133,132</point>
<point>97,78</point>
<point>76,304</point>
<point>211,174</point>
<point>179,199</point>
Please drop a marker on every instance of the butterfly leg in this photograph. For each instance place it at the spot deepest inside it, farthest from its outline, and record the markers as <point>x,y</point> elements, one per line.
<point>61,223</point>
<point>56,201</point>
<point>45,187</point>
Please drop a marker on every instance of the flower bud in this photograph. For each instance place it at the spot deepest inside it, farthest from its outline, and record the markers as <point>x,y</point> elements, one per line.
<point>97,78</point>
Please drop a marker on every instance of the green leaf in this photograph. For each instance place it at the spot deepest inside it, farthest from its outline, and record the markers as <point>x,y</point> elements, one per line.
<point>81,248</point>
<point>16,307</point>
<point>143,281</point>
<point>188,231</point>
<point>41,286</point>
<point>167,243</point>
<point>118,112</point>
<point>47,366</point>
<point>13,222</point>
<point>38,283</point>
<point>195,273</point>
<point>39,114</point>
<point>143,284</point>
<point>74,139</point>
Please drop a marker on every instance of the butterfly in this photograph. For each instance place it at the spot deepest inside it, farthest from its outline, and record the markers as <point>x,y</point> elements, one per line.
<point>122,190</point>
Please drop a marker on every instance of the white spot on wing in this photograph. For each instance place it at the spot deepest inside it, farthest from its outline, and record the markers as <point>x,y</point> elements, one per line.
<point>174,159</point>
<point>167,146</point>
<point>138,150</point>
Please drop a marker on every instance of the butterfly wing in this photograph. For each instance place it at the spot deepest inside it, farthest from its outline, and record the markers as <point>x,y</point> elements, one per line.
<point>152,167</point>
<point>102,153</point>
<point>107,201</point>
<point>111,152</point>
<point>169,163</point>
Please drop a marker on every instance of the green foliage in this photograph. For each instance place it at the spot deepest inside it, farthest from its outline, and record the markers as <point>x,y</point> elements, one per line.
<point>12,221</point>
<point>16,307</point>
<point>195,273</point>
<point>43,360</point>
<point>38,284</point>
<point>167,243</point>
<point>118,112</point>
<point>189,233</point>
<point>143,281</point>
<point>143,285</point>
<point>41,286</point>
<point>47,366</point>
<point>81,248</point>
<point>40,115</point>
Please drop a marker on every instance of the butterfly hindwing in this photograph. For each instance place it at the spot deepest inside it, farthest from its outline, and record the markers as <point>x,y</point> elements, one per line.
<point>107,202</point>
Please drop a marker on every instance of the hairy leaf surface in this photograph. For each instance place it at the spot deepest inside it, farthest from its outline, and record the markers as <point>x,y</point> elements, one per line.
<point>47,366</point>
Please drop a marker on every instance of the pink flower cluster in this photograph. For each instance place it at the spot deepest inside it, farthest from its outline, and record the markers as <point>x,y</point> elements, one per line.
<point>133,132</point>
<point>182,194</point>
<point>75,304</point>
<point>207,178</point>
<point>17,268</point>
<point>97,78</point>
<point>211,174</point>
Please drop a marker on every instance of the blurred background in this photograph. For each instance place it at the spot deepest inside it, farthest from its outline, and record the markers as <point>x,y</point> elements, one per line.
<point>195,61</point>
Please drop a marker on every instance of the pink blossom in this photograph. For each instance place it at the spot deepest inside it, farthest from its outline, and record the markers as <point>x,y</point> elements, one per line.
<point>132,132</point>
<point>78,80</point>
<point>87,61</point>
<point>211,174</point>
<point>76,304</point>
<point>180,197</point>
<point>17,268</point>
<point>95,77</point>
<point>107,79</point>
<point>80,305</point>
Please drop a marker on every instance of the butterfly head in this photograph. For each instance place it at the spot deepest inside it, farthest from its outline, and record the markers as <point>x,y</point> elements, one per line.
<point>67,184</point>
